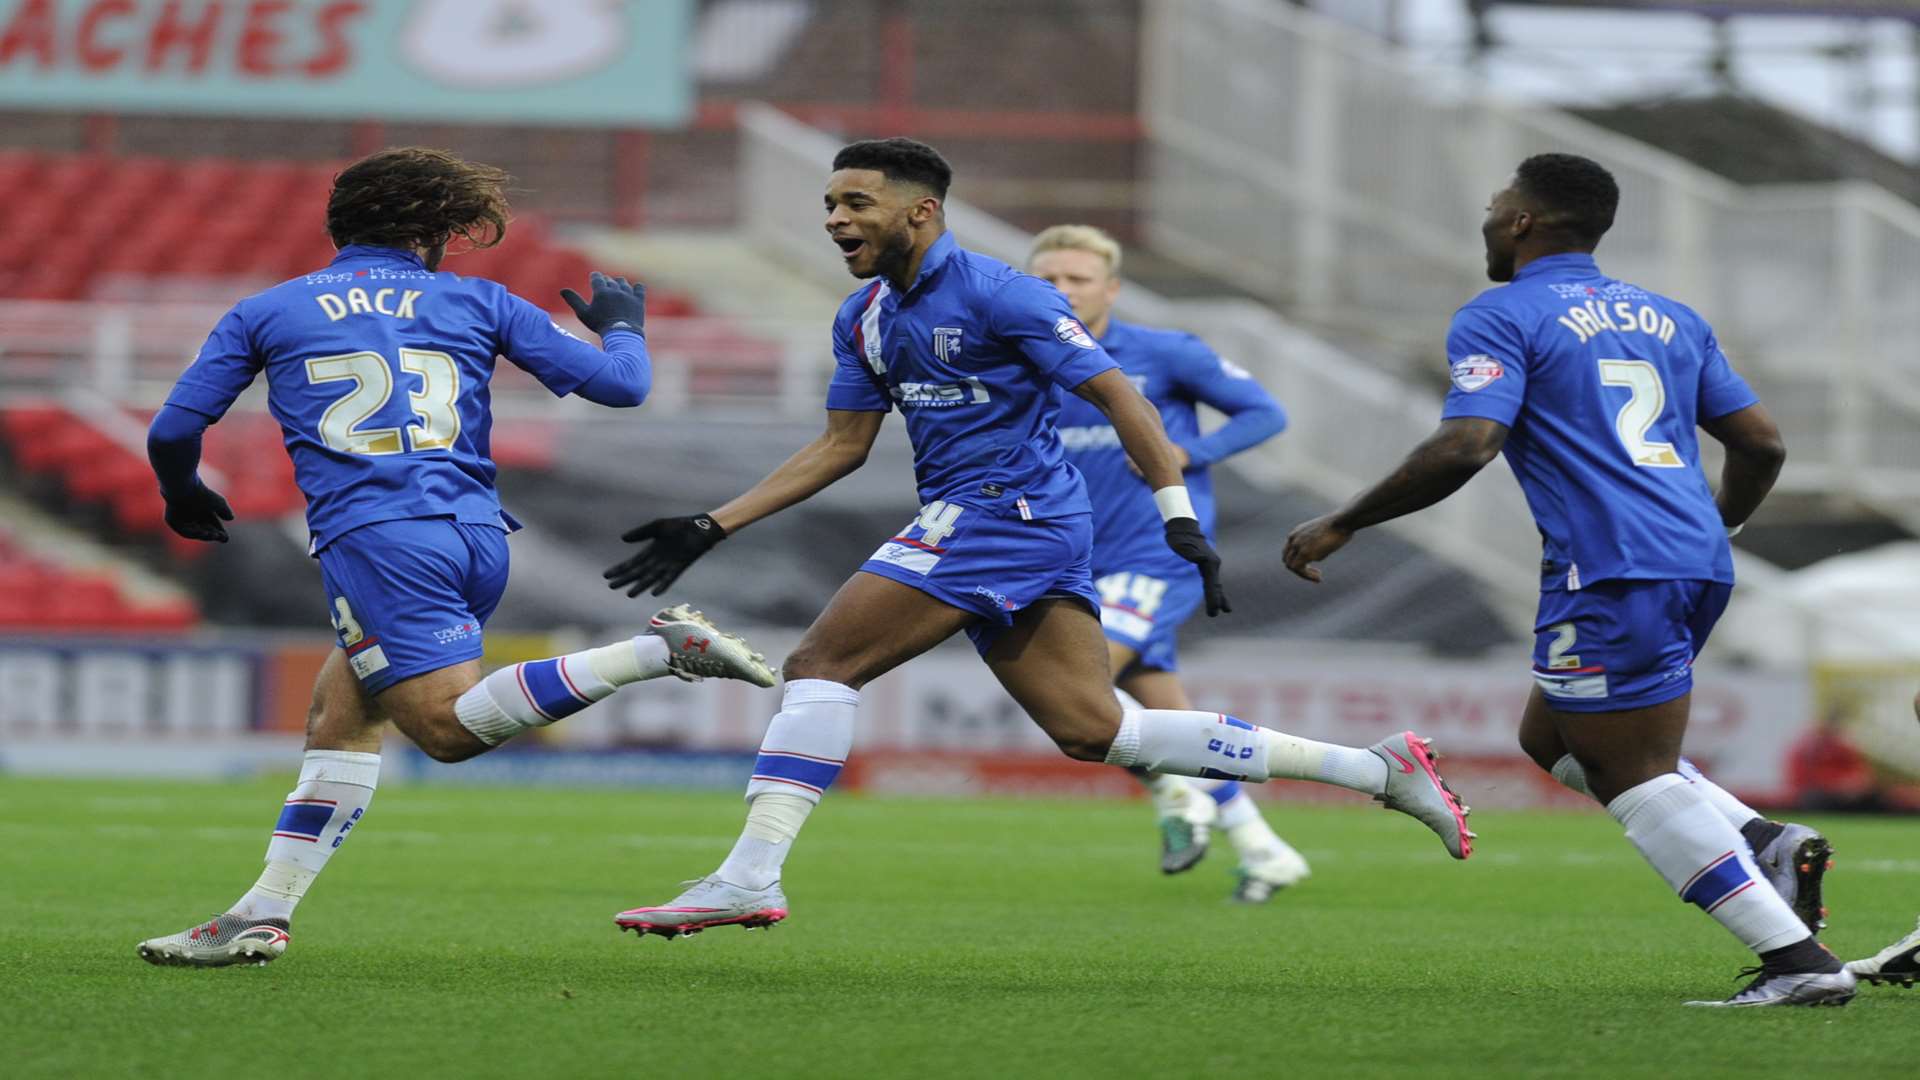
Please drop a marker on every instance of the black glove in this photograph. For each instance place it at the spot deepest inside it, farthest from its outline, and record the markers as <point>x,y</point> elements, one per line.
<point>1185,537</point>
<point>197,513</point>
<point>677,542</point>
<point>616,305</point>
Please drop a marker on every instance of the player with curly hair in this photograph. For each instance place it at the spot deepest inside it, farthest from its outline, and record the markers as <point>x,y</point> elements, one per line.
<point>377,368</point>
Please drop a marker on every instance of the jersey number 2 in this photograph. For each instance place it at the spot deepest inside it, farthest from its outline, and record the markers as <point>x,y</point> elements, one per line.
<point>433,403</point>
<point>1642,410</point>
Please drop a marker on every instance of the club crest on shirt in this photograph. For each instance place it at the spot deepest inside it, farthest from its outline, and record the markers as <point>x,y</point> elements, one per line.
<point>1476,372</point>
<point>1070,331</point>
<point>946,343</point>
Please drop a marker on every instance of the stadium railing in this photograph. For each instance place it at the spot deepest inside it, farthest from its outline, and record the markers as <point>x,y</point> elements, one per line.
<point>1354,203</point>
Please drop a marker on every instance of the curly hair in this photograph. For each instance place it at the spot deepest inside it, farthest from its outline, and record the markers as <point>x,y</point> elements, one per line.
<point>417,197</point>
<point>1579,194</point>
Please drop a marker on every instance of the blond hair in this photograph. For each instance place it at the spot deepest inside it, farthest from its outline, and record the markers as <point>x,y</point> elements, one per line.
<point>1079,238</point>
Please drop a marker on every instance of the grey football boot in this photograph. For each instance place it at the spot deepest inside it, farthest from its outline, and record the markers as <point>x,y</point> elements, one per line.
<point>1810,988</point>
<point>697,649</point>
<point>1796,862</point>
<point>225,940</point>
<point>1414,788</point>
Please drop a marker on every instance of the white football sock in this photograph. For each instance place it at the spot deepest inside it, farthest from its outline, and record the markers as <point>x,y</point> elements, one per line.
<point>1569,772</point>
<point>1732,809</point>
<point>538,692</point>
<point>803,751</point>
<point>1216,745</point>
<point>332,794</point>
<point>1704,858</point>
<point>1170,794</point>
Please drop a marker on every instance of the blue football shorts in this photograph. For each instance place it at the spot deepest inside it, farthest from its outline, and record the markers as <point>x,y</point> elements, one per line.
<point>1144,605</point>
<point>1617,645</point>
<point>989,563</point>
<point>411,596</point>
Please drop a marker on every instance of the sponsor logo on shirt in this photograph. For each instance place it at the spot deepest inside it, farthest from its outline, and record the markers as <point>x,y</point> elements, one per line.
<point>942,395</point>
<point>1098,437</point>
<point>946,342</point>
<point>451,634</point>
<point>1070,331</point>
<point>1476,372</point>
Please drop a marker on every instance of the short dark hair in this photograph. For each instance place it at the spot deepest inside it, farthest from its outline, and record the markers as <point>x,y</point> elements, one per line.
<point>899,159</point>
<point>416,197</point>
<point>1578,194</point>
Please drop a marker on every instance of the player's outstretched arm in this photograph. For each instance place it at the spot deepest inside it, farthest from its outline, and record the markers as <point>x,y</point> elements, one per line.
<point>194,510</point>
<point>1755,455</point>
<point>673,544</point>
<point>1435,469</point>
<point>1145,440</point>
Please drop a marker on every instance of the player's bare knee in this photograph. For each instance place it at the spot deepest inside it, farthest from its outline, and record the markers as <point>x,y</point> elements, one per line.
<point>1084,734</point>
<point>445,740</point>
<point>808,662</point>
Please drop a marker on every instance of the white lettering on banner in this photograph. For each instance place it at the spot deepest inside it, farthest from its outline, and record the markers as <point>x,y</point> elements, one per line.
<point>109,692</point>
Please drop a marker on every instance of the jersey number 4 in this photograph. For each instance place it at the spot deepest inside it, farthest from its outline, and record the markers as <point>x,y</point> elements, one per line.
<point>372,378</point>
<point>1643,409</point>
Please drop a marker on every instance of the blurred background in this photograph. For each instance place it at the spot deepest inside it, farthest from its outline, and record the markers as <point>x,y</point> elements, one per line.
<point>1300,183</point>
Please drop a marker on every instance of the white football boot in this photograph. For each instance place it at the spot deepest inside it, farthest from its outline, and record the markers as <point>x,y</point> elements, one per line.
<point>1812,988</point>
<point>1898,963</point>
<point>226,939</point>
<point>1265,871</point>
<point>697,649</point>
<point>710,902</point>
<point>1414,788</point>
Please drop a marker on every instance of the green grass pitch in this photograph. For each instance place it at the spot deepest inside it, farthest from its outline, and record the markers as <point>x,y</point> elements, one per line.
<point>467,933</point>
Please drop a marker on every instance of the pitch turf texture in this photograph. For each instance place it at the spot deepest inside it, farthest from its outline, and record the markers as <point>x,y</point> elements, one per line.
<point>468,933</point>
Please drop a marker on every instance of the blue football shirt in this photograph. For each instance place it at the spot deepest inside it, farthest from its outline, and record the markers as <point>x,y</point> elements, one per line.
<point>1177,372</point>
<point>377,370</point>
<point>975,354</point>
<point>1602,385</point>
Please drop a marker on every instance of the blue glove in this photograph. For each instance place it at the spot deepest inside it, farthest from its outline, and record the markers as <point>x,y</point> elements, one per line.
<point>616,305</point>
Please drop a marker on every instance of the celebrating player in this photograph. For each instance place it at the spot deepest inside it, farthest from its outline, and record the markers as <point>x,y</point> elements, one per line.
<point>1146,591</point>
<point>1594,387</point>
<point>377,369</point>
<point>975,355</point>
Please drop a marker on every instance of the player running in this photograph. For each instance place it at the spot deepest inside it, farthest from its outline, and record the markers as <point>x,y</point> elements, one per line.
<point>975,354</point>
<point>377,369</point>
<point>1593,387</point>
<point>1146,591</point>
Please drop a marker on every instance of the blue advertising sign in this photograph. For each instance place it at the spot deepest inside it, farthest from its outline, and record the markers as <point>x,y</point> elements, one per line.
<point>576,62</point>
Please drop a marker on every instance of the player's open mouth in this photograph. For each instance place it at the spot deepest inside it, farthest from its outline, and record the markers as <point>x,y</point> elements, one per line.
<point>849,245</point>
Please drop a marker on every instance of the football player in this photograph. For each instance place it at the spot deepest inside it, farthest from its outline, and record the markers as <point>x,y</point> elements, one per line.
<point>1146,591</point>
<point>1594,387</point>
<point>377,368</point>
<point>976,355</point>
